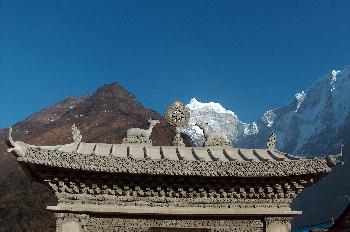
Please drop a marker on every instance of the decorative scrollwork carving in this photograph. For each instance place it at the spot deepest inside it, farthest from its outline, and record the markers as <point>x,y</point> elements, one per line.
<point>177,115</point>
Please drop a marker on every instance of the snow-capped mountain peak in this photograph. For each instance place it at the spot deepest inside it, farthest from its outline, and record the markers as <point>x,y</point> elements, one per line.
<point>194,104</point>
<point>319,112</point>
<point>219,119</point>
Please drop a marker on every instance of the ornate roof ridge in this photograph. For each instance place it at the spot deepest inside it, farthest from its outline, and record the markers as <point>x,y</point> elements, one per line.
<point>177,153</point>
<point>138,145</point>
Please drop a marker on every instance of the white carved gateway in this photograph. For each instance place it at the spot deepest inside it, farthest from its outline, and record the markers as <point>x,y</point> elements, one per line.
<point>141,187</point>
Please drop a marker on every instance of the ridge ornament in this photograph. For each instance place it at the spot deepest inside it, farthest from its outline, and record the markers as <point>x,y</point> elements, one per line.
<point>178,116</point>
<point>77,137</point>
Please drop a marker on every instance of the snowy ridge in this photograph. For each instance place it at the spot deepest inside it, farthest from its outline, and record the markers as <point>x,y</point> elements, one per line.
<point>334,74</point>
<point>219,119</point>
<point>269,117</point>
<point>315,116</point>
<point>300,99</point>
<point>194,104</point>
<point>251,129</point>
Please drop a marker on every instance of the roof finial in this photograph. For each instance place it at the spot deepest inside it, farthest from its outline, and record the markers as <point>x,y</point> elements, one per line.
<point>77,137</point>
<point>177,115</point>
<point>271,142</point>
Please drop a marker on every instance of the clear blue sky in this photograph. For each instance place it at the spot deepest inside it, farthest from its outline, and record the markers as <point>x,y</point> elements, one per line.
<point>248,55</point>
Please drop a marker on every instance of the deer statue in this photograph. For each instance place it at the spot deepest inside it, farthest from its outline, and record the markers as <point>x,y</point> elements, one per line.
<point>213,138</point>
<point>142,133</point>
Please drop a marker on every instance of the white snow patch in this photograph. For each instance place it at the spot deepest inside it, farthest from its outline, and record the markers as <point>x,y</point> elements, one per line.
<point>334,74</point>
<point>251,129</point>
<point>300,99</point>
<point>197,129</point>
<point>216,107</point>
<point>269,117</point>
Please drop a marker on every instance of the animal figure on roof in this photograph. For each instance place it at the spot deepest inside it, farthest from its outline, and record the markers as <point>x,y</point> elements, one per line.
<point>213,138</point>
<point>138,135</point>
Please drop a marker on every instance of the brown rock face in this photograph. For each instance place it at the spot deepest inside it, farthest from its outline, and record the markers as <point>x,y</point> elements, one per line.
<point>102,117</point>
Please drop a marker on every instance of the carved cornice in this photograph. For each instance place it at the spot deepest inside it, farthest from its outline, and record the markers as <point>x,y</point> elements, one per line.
<point>110,164</point>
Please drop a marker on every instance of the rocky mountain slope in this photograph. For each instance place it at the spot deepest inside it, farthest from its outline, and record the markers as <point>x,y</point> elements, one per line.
<point>315,122</point>
<point>101,117</point>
